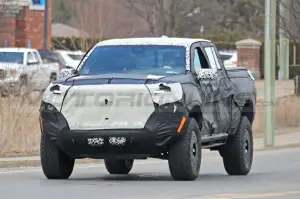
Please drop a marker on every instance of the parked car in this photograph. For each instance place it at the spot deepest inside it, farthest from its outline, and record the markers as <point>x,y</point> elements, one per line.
<point>178,94</point>
<point>71,58</point>
<point>50,56</point>
<point>229,58</point>
<point>22,70</point>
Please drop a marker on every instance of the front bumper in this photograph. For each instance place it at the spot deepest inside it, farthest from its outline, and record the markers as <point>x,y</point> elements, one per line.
<point>155,138</point>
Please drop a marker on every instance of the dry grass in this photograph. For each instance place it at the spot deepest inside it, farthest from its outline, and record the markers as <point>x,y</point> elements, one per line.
<point>287,114</point>
<point>20,131</point>
<point>19,127</point>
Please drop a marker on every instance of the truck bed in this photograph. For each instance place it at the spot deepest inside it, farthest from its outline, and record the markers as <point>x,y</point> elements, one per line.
<point>243,84</point>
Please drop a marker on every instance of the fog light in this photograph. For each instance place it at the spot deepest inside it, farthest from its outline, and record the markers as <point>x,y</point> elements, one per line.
<point>117,140</point>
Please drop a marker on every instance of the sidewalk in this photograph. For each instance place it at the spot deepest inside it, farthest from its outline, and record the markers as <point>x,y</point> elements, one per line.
<point>281,141</point>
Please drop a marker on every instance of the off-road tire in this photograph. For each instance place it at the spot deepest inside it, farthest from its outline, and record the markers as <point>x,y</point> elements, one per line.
<point>55,163</point>
<point>238,152</point>
<point>184,157</point>
<point>118,166</point>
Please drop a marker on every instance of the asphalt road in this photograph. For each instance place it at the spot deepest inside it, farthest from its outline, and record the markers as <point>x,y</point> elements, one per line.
<point>275,175</point>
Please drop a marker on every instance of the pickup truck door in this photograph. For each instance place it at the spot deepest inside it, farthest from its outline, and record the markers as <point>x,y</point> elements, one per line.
<point>217,92</point>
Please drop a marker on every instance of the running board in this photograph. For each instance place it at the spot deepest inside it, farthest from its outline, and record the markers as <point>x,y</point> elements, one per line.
<point>213,140</point>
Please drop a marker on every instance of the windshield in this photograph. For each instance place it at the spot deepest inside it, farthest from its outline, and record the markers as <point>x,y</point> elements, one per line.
<point>75,57</point>
<point>51,57</point>
<point>143,59</point>
<point>12,57</point>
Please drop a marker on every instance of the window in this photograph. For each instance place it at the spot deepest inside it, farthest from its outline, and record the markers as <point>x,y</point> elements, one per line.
<point>211,57</point>
<point>197,64</point>
<point>12,57</point>
<point>30,57</point>
<point>36,57</point>
<point>216,58</point>
<point>141,59</point>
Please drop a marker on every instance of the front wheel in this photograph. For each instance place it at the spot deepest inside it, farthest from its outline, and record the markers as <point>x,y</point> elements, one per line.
<point>118,166</point>
<point>185,156</point>
<point>238,152</point>
<point>55,163</point>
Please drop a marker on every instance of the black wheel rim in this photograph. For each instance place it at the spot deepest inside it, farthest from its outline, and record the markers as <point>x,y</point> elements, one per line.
<point>247,148</point>
<point>194,151</point>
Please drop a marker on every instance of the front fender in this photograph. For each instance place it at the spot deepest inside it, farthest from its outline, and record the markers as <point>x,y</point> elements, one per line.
<point>56,98</point>
<point>165,93</point>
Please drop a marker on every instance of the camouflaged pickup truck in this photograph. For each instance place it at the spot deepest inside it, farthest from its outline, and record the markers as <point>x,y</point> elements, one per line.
<point>139,98</point>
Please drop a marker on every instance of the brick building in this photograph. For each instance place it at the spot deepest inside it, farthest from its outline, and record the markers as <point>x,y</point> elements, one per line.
<point>22,21</point>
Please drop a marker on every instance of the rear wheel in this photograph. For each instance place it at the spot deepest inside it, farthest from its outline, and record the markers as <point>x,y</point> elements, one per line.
<point>238,152</point>
<point>118,166</point>
<point>185,155</point>
<point>55,163</point>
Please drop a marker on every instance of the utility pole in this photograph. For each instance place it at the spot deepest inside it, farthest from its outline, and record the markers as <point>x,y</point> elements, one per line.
<point>46,25</point>
<point>270,60</point>
<point>284,41</point>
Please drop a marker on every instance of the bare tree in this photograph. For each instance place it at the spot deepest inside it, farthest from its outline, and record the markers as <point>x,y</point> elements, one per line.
<point>164,17</point>
<point>291,23</point>
<point>150,11</point>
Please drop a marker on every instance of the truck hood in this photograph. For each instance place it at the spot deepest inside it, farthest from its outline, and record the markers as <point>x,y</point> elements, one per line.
<point>9,66</point>
<point>103,101</point>
<point>117,78</point>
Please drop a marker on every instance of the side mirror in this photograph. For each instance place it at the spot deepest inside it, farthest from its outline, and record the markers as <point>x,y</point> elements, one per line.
<point>67,72</point>
<point>31,61</point>
<point>207,74</point>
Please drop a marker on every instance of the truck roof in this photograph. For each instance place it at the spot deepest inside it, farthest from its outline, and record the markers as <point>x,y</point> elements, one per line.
<point>151,41</point>
<point>23,50</point>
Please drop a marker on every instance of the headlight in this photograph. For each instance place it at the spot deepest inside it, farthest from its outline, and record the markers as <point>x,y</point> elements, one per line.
<point>46,107</point>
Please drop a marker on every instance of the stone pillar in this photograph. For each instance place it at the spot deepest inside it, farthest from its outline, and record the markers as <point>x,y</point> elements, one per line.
<point>248,52</point>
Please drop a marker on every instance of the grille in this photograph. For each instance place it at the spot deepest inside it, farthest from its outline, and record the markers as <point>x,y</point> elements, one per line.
<point>2,74</point>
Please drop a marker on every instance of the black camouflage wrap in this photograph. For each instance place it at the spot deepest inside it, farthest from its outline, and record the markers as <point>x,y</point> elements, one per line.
<point>219,95</point>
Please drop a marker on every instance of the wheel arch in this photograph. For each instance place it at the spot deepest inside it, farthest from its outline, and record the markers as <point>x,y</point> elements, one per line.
<point>196,113</point>
<point>248,111</point>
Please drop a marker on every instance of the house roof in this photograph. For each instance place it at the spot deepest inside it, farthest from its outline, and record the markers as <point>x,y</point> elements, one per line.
<point>62,30</point>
